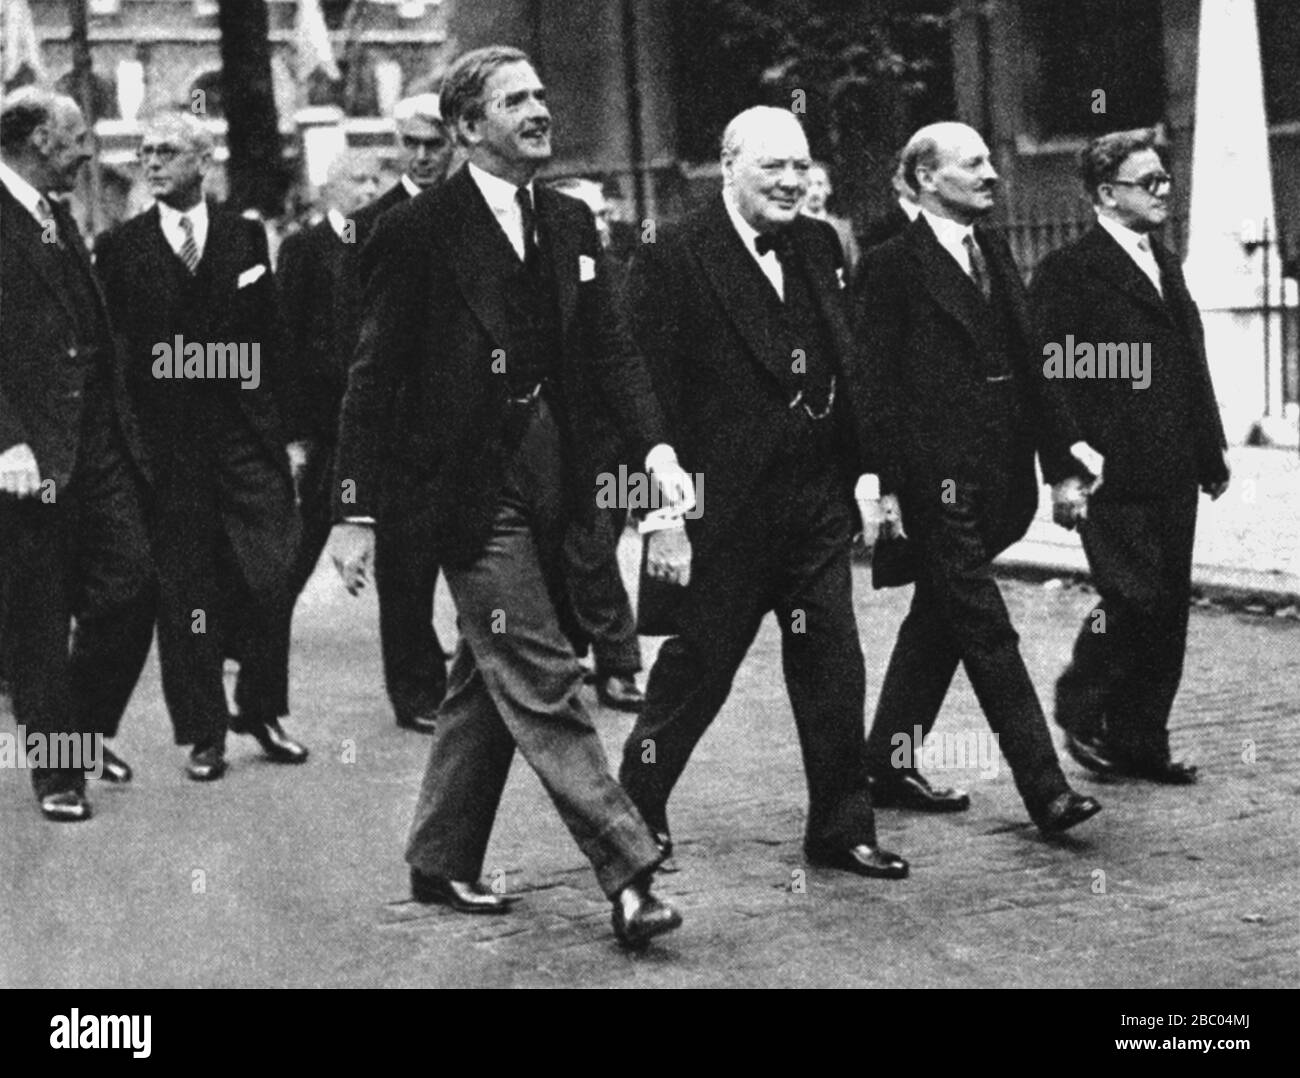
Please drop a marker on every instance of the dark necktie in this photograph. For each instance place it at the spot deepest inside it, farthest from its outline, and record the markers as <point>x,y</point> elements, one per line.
<point>531,255</point>
<point>979,268</point>
<point>189,249</point>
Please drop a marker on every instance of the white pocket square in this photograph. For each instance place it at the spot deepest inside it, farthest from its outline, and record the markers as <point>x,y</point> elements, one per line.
<point>839,273</point>
<point>586,268</point>
<point>250,275</point>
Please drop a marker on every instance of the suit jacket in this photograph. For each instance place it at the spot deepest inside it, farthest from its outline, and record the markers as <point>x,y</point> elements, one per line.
<point>1151,437</point>
<point>51,391</point>
<point>146,288</point>
<point>708,322</point>
<point>317,343</point>
<point>423,435</point>
<point>951,398</point>
<point>356,269</point>
<point>885,227</point>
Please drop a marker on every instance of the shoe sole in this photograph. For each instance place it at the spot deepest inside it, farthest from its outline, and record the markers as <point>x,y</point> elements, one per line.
<point>1072,824</point>
<point>642,939</point>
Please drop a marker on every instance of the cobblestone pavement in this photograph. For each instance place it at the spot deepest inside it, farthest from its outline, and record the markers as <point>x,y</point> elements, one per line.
<point>282,876</point>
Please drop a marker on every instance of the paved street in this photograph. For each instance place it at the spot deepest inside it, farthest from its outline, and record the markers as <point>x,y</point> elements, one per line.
<point>279,876</point>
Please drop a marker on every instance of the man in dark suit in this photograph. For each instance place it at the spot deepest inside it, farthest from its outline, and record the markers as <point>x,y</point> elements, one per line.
<point>602,616</point>
<point>944,333</point>
<point>406,573</point>
<point>740,313</point>
<point>1152,416</point>
<point>901,213</point>
<point>71,521</point>
<point>190,291</point>
<point>317,350</point>
<point>486,299</point>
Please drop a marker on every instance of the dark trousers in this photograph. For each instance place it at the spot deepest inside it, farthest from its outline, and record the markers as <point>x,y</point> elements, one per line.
<point>1128,656</point>
<point>415,665</point>
<point>84,556</point>
<point>224,538</point>
<point>515,683</point>
<point>598,598</point>
<point>794,562</point>
<point>958,616</point>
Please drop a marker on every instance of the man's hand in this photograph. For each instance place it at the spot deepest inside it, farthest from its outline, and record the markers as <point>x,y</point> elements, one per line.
<point>668,556</point>
<point>1070,502</point>
<point>873,519</point>
<point>676,491</point>
<point>19,474</point>
<point>1215,490</point>
<point>1090,459</point>
<point>891,517</point>
<point>352,549</point>
<point>298,454</point>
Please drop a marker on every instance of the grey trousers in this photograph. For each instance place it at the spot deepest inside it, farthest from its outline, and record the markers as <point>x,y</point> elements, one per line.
<point>514,682</point>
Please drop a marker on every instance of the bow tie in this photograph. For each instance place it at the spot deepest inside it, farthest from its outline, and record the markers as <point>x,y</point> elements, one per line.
<point>773,241</point>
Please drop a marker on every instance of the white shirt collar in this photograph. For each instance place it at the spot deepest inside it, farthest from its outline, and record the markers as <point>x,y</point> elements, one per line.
<point>951,236</point>
<point>411,187</point>
<point>337,221</point>
<point>909,208</point>
<point>1125,236</point>
<point>744,229</point>
<point>169,218</point>
<point>499,193</point>
<point>24,193</point>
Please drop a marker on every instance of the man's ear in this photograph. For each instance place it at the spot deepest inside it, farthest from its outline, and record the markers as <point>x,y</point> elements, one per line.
<point>466,132</point>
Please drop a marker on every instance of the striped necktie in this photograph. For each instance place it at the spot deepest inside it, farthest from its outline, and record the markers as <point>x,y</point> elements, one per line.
<point>49,223</point>
<point>189,249</point>
<point>979,268</point>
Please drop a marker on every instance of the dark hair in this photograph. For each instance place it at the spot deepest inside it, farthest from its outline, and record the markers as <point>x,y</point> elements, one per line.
<point>462,85</point>
<point>1101,160</point>
<point>23,112</point>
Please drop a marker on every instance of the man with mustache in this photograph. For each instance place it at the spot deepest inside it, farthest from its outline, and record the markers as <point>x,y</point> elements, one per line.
<point>1159,444</point>
<point>406,574</point>
<point>739,311</point>
<point>487,306</point>
<point>944,334</point>
<point>71,466</point>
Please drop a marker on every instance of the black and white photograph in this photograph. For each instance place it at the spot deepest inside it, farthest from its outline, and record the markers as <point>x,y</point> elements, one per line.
<point>650,494</point>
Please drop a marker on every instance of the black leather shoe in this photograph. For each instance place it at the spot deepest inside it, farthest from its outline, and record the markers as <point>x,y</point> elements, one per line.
<point>421,724</point>
<point>66,806</point>
<point>114,768</point>
<point>207,763</point>
<point>910,790</point>
<point>1089,753</point>
<point>463,897</point>
<point>277,745</point>
<point>1065,811</point>
<point>665,843</point>
<point>639,916</point>
<point>1168,772</point>
<point>620,693</point>
<point>865,860</point>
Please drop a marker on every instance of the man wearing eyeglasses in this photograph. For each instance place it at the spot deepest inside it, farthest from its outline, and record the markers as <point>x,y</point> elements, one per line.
<point>406,575</point>
<point>1155,445</point>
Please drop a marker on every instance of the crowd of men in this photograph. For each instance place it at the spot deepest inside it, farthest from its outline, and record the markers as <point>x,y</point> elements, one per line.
<point>436,380</point>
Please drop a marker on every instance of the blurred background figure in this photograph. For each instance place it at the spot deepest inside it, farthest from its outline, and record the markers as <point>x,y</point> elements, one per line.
<point>901,213</point>
<point>814,205</point>
<point>602,613</point>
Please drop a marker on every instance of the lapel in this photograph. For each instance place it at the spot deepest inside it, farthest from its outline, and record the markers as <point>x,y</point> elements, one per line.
<point>480,255</point>
<point>1106,259</point>
<point>744,292</point>
<point>1178,300</point>
<point>23,234</point>
<point>997,255</point>
<point>951,288</point>
<point>823,285</point>
<point>564,246</point>
<point>72,240</point>
<point>222,254</point>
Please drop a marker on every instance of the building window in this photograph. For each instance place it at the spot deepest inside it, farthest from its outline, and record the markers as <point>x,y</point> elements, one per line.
<point>1279,38</point>
<point>1090,47</point>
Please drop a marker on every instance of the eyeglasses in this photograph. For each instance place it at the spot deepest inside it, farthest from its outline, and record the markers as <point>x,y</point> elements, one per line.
<point>1158,183</point>
<point>166,154</point>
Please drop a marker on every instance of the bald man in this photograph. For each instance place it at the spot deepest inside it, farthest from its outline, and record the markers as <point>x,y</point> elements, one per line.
<point>947,349</point>
<point>740,314</point>
<point>415,665</point>
<point>186,279</point>
<point>71,522</point>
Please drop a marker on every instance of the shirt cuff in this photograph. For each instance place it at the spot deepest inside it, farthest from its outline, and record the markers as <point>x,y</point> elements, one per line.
<point>359,520</point>
<point>661,520</point>
<point>660,456</point>
<point>867,488</point>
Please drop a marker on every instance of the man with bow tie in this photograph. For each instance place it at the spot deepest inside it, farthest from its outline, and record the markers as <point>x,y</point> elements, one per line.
<point>487,304</point>
<point>944,331</point>
<point>1158,442</point>
<point>740,314</point>
<point>185,276</point>
<point>71,522</point>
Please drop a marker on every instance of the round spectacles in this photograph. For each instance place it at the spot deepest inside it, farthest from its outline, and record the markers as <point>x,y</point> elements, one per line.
<point>1156,184</point>
<point>165,154</point>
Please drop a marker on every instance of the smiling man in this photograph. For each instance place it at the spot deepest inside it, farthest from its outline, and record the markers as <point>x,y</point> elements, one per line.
<point>740,312</point>
<point>951,380</point>
<point>488,306</point>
